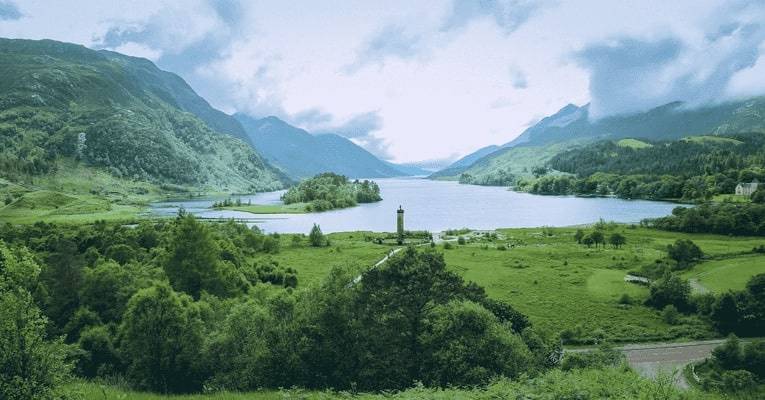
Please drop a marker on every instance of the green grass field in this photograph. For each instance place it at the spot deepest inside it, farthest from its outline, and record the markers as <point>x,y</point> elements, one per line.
<point>731,198</point>
<point>558,283</point>
<point>728,274</point>
<point>633,144</point>
<point>295,208</point>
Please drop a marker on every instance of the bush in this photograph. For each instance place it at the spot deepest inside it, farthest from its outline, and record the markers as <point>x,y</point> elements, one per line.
<point>316,237</point>
<point>669,290</point>
<point>461,240</point>
<point>670,315</point>
<point>162,336</point>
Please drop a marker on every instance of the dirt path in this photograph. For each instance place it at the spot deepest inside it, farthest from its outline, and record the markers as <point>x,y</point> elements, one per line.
<point>697,287</point>
<point>667,358</point>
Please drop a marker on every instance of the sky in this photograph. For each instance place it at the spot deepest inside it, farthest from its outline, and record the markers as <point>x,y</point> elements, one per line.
<point>430,80</point>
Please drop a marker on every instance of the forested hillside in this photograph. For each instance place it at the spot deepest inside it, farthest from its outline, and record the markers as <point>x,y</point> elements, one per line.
<point>102,109</point>
<point>302,155</point>
<point>572,126</point>
<point>695,168</point>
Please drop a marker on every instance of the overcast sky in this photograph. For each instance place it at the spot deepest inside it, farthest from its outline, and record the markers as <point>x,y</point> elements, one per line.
<point>424,80</point>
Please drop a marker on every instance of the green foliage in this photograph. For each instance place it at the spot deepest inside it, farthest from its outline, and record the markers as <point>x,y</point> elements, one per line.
<point>193,264</point>
<point>465,344</point>
<point>329,191</point>
<point>617,240</point>
<point>670,314</point>
<point>31,364</point>
<point>724,218</point>
<point>63,101</point>
<point>316,237</point>
<point>684,252</point>
<point>604,356</point>
<point>687,169</point>
<point>670,289</point>
<point>161,337</point>
<point>741,312</point>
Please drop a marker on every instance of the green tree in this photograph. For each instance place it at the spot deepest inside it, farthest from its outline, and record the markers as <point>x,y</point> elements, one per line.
<point>100,356</point>
<point>31,365</point>
<point>464,344</point>
<point>684,251</point>
<point>579,235</point>
<point>669,289</point>
<point>192,263</point>
<point>316,237</point>
<point>670,314</point>
<point>239,353</point>
<point>588,241</point>
<point>161,339</point>
<point>106,290</point>
<point>598,237</point>
<point>725,313</point>
<point>617,240</point>
<point>729,355</point>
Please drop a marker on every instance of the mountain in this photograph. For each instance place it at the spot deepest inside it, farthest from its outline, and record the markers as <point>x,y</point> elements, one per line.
<point>300,154</point>
<point>571,126</point>
<point>463,163</point>
<point>61,101</point>
<point>410,169</point>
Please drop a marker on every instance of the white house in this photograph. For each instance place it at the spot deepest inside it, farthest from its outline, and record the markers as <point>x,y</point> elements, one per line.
<point>746,189</point>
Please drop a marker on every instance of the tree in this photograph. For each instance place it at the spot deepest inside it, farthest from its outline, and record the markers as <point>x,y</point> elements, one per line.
<point>106,290</point>
<point>239,353</point>
<point>669,289</point>
<point>579,235</point>
<point>464,344</point>
<point>617,240</point>
<point>31,365</point>
<point>588,241</point>
<point>725,313</point>
<point>161,338</point>
<point>758,196</point>
<point>670,314</point>
<point>684,251</point>
<point>598,237</point>
<point>729,355</point>
<point>192,263</point>
<point>316,237</point>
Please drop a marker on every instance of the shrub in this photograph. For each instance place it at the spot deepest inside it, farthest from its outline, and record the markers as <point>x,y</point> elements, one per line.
<point>670,315</point>
<point>316,237</point>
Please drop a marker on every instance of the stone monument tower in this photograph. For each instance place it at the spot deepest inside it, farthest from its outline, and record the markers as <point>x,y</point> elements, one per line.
<point>400,224</point>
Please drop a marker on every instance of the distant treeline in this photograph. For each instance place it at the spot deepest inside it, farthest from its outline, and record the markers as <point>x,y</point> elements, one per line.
<point>689,169</point>
<point>722,218</point>
<point>329,191</point>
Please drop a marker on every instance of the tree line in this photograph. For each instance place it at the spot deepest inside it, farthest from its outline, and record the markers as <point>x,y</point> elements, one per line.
<point>175,306</point>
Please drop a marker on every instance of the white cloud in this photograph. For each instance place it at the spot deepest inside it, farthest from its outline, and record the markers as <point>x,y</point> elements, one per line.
<point>441,77</point>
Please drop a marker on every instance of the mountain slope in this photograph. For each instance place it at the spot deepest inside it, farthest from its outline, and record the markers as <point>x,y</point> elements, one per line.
<point>121,113</point>
<point>571,126</point>
<point>301,154</point>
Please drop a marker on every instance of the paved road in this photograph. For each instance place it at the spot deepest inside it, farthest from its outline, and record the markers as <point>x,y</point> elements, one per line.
<point>668,358</point>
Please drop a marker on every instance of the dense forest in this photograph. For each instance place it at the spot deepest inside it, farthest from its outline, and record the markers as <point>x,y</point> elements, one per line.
<point>722,218</point>
<point>690,169</point>
<point>174,305</point>
<point>119,113</point>
<point>329,191</point>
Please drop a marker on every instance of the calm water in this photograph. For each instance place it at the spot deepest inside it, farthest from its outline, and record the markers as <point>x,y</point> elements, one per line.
<point>436,206</point>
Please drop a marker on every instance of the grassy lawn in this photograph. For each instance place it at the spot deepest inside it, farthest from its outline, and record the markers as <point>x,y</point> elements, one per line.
<point>633,144</point>
<point>294,208</point>
<point>562,285</point>
<point>558,283</point>
<point>314,263</point>
<point>731,198</point>
<point>729,274</point>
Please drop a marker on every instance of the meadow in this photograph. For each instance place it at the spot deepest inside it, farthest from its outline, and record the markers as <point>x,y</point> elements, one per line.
<point>559,284</point>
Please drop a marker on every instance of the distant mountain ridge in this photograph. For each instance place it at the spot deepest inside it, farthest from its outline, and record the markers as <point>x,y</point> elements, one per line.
<point>122,113</point>
<point>301,154</point>
<point>571,125</point>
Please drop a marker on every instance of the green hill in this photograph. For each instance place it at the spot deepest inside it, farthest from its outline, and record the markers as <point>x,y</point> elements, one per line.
<point>104,110</point>
<point>571,126</point>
